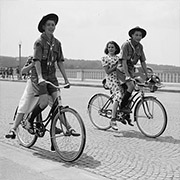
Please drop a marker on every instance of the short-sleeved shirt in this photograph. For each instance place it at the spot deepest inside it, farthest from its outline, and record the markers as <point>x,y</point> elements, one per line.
<point>47,53</point>
<point>132,53</point>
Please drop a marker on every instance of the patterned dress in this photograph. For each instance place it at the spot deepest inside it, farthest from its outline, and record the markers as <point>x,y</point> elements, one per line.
<point>112,81</point>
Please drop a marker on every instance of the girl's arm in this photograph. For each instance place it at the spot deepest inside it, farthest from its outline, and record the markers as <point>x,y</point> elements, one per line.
<point>26,69</point>
<point>109,70</point>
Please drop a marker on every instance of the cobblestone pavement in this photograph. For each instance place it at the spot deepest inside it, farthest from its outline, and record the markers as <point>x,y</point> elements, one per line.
<point>122,155</point>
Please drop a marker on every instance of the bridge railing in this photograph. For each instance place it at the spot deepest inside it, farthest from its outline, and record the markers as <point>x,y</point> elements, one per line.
<point>96,74</point>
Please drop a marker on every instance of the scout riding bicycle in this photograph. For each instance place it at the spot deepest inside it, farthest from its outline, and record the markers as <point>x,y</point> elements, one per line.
<point>68,147</point>
<point>149,113</point>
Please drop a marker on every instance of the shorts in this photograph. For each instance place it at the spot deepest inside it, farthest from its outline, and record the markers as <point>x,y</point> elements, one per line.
<point>43,88</point>
<point>28,100</point>
<point>121,75</point>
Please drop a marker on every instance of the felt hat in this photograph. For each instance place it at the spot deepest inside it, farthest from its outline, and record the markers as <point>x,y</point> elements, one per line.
<point>44,20</point>
<point>137,28</point>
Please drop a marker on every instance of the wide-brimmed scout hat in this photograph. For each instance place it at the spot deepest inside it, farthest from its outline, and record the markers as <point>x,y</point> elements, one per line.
<point>44,20</point>
<point>137,28</point>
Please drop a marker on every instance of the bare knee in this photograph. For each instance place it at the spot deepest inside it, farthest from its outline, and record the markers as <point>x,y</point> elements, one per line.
<point>130,86</point>
<point>43,101</point>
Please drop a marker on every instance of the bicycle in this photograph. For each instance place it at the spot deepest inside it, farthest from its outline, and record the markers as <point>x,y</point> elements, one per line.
<point>149,113</point>
<point>68,147</point>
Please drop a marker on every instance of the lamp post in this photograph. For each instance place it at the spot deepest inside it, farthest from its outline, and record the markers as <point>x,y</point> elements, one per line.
<point>20,75</point>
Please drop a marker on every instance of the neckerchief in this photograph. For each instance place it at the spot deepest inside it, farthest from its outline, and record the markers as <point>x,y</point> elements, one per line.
<point>51,44</point>
<point>132,47</point>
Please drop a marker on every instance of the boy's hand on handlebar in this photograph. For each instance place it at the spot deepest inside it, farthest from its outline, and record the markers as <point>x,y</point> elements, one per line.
<point>41,80</point>
<point>147,80</point>
<point>127,78</point>
<point>67,85</point>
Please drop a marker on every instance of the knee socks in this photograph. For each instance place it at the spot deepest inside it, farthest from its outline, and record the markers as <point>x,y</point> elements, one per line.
<point>35,112</point>
<point>125,98</point>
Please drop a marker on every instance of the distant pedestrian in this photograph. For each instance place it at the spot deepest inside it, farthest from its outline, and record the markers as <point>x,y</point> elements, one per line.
<point>17,73</point>
<point>6,72</point>
<point>3,73</point>
<point>11,73</point>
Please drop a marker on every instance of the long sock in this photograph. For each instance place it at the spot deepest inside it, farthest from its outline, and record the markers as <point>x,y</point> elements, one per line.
<point>35,112</point>
<point>125,98</point>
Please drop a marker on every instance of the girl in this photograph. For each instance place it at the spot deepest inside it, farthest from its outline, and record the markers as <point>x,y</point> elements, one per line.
<point>109,63</point>
<point>27,101</point>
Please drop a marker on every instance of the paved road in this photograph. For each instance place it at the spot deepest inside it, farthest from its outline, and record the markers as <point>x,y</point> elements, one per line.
<point>125,154</point>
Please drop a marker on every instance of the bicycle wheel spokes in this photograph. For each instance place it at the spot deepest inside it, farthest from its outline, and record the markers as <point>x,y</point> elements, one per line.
<point>151,117</point>
<point>99,111</point>
<point>68,146</point>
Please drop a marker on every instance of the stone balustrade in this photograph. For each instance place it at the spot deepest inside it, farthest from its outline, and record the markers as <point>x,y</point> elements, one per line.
<point>97,74</point>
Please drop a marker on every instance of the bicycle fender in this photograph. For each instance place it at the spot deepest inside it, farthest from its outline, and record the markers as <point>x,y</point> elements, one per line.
<point>150,97</point>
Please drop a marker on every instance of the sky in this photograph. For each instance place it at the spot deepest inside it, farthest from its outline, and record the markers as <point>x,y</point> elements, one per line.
<point>85,26</point>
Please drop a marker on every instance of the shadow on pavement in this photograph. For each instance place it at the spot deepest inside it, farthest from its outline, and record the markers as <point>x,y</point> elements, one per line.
<point>84,161</point>
<point>139,135</point>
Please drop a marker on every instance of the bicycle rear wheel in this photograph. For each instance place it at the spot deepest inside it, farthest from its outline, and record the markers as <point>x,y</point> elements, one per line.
<point>68,147</point>
<point>100,112</point>
<point>151,117</point>
<point>24,137</point>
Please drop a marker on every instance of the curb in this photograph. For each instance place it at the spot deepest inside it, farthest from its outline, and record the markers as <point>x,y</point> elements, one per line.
<point>37,167</point>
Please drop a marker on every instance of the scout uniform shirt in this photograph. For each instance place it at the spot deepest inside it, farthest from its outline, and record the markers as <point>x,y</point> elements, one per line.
<point>47,53</point>
<point>132,54</point>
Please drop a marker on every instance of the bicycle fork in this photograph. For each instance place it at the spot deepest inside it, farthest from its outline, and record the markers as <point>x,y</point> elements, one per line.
<point>64,124</point>
<point>146,108</point>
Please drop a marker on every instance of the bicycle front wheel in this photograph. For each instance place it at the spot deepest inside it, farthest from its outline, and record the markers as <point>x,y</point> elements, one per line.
<point>100,110</point>
<point>151,117</point>
<point>24,137</point>
<point>69,147</point>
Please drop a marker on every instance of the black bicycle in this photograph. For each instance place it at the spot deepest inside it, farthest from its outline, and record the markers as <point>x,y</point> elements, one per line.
<point>149,113</point>
<point>63,121</point>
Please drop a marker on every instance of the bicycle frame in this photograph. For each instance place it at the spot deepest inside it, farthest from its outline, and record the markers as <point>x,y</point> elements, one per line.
<point>148,112</point>
<point>106,105</point>
<point>139,95</point>
<point>56,108</point>
<point>51,113</point>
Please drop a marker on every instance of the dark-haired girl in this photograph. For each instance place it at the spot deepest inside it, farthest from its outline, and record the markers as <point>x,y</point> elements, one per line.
<point>109,63</point>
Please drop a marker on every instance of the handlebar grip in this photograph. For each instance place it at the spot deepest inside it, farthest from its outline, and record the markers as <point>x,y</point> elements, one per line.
<point>67,85</point>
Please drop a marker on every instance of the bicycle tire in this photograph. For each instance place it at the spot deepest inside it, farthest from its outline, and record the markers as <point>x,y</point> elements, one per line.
<point>68,147</point>
<point>154,125</point>
<point>24,137</point>
<point>99,119</point>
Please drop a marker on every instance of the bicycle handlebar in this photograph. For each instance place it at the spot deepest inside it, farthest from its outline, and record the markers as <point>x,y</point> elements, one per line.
<point>145,84</point>
<point>58,87</point>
